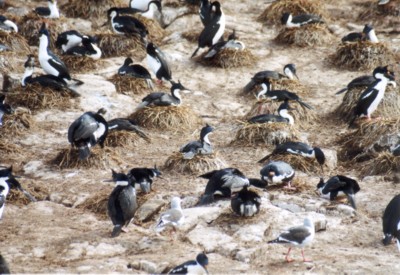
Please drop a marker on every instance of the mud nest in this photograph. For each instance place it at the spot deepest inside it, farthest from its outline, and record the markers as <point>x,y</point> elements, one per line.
<point>198,164</point>
<point>303,117</point>
<point>228,58</point>
<point>388,108</point>
<point>362,143</point>
<point>81,64</point>
<point>383,164</point>
<point>113,45</point>
<point>305,36</point>
<point>38,190</point>
<point>267,133</point>
<point>36,98</point>
<point>191,36</point>
<point>15,41</point>
<point>123,139</point>
<point>16,124</point>
<point>273,13</point>
<point>306,165</point>
<point>87,9</point>
<point>167,118</point>
<point>128,85</point>
<point>362,55</point>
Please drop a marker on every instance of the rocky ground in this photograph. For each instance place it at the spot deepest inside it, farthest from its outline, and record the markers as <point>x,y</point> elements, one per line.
<point>59,235</point>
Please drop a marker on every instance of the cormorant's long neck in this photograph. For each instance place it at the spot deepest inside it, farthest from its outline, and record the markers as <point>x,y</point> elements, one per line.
<point>264,90</point>
<point>205,139</point>
<point>27,76</point>
<point>54,13</point>
<point>43,45</point>
<point>176,95</point>
<point>284,113</point>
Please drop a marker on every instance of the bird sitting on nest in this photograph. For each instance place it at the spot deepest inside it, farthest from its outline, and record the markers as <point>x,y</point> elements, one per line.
<point>152,11</point>
<point>277,172</point>
<point>126,25</point>
<point>198,266</point>
<point>202,146</point>
<point>136,71</point>
<point>337,186</point>
<point>300,20</point>
<point>246,203</point>
<point>48,12</point>
<point>391,221</point>
<point>124,124</point>
<point>367,34</point>
<point>172,218</point>
<point>88,48</point>
<point>283,116</point>
<point>144,177</point>
<point>5,109</point>
<point>231,43</point>
<point>7,25</point>
<point>298,236</point>
<point>68,39</point>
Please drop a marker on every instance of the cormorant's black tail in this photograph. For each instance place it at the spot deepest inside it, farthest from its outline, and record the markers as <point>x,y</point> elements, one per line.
<point>304,104</point>
<point>116,231</point>
<point>351,199</point>
<point>249,87</point>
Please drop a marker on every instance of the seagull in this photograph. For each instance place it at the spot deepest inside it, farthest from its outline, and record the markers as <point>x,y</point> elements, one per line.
<point>171,218</point>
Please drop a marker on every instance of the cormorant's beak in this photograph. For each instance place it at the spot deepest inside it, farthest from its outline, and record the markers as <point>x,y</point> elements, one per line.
<point>296,76</point>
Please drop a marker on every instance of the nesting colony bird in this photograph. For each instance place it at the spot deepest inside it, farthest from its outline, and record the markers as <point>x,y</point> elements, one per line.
<point>337,186</point>
<point>144,177</point>
<point>48,12</point>
<point>122,203</point>
<point>172,218</point>
<point>136,71</point>
<point>140,4</point>
<point>231,43</point>
<point>214,30</point>
<point>163,99</point>
<point>157,63</point>
<point>88,48</point>
<point>289,71</point>
<point>205,12</point>
<point>300,20</point>
<point>198,266</point>
<point>222,183</point>
<point>4,189</point>
<point>283,116</point>
<point>361,81</point>
<point>126,24</point>
<point>87,131</point>
<point>50,81</point>
<point>298,148</point>
<point>391,222</point>
<point>69,39</point>
<point>246,203</point>
<point>124,124</point>
<point>372,96</point>
<point>202,146</point>
<point>152,11</point>
<point>5,109</point>
<point>277,172</point>
<point>395,150</point>
<point>368,34</point>
<point>4,269</point>
<point>7,25</point>
<point>298,236</point>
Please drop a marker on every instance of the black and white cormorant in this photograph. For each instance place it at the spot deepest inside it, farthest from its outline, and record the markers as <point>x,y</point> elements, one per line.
<point>283,116</point>
<point>163,99</point>
<point>48,80</point>
<point>198,266</point>
<point>125,124</point>
<point>152,11</point>
<point>136,71</point>
<point>126,24</point>
<point>205,12</point>
<point>246,203</point>
<point>88,48</point>
<point>140,4</point>
<point>172,218</point>
<point>291,21</point>
<point>4,189</point>
<point>231,43</point>
<point>48,12</point>
<point>144,177</point>
<point>372,96</point>
<point>368,34</point>
<point>391,222</point>
<point>157,63</point>
<point>221,183</point>
<point>122,203</point>
<point>337,186</point>
<point>277,172</point>
<point>5,109</point>
<point>214,30</point>
<point>69,39</point>
<point>202,146</point>
<point>7,25</point>
<point>87,131</point>
<point>361,81</point>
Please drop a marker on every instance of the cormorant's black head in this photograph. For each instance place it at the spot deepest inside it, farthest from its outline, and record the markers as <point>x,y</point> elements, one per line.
<point>381,72</point>
<point>202,259</point>
<point>12,182</point>
<point>367,28</point>
<point>285,106</point>
<point>4,107</point>
<point>217,6</point>
<point>43,30</point>
<point>102,111</point>
<point>387,239</point>
<point>205,131</point>
<point>2,18</point>
<point>177,86</point>
<point>128,61</point>
<point>156,172</point>
<point>285,18</point>
<point>30,62</point>
<point>290,68</point>
<point>86,40</point>
<point>120,178</point>
<point>321,183</point>
<point>319,155</point>
<point>151,49</point>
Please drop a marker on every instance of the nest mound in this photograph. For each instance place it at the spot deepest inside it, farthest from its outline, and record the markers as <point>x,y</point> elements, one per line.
<point>305,36</point>
<point>303,117</point>
<point>198,164</point>
<point>97,204</point>
<point>363,55</point>
<point>156,32</point>
<point>166,117</point>
<point>10,62</point>
<point>87,9</point>
<point>128,85</point>
<point>306,165</point>
<point>383,164</point>
<point>267,133</point>
<point>38,190</point>
<point>69,158</point>
<point>389,106</point>
<point>16,124</point>
<point>228,58</point>
<point>363,143</point>
<point>380,13</point>
<point>80,64</point>
<point>302,185</point>
<point>113,45</point>
<point>15,41</point>
<point>191,36</point>
<point>273,13</point>
<point>122,139</point>
<point>36,98</point>
<point>292,85</point>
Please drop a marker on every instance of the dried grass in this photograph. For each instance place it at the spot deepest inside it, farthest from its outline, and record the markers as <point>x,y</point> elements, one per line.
<point>156,32</point>
<point>379,13</point>
<point>176,118</point>
<point>128,85</point>
<point>383,164</point>
<point>273,13</point>
<point>15,41</point>
<point>122,138</point>
<point>191,36</point>
<point>88,9</point>
<point>264,133</point>
<point>305,36</point>
<point>97,203</point>
<point>36,98</point>
<point>306,165</point>
<point>228,58</point>
<point>9,63</point>
<point>81,64</point>
<point>113,45</point>
<point>38,190</point>
<point>198,164</point>
<point>362,55</point>
<point>16,124</point>
<point>301,185</point>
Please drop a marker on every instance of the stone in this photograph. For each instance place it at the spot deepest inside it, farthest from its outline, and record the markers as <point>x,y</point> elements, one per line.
<point>56,197</point>
<point>331,158</point>
<point>148,209</point>
<point>251,233</point>
<point>105,249</point>
<point>246,255</point>
<point>346,210</point>
<point>147,266</point>
<point>294,208</point>
<point>196,215</point>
